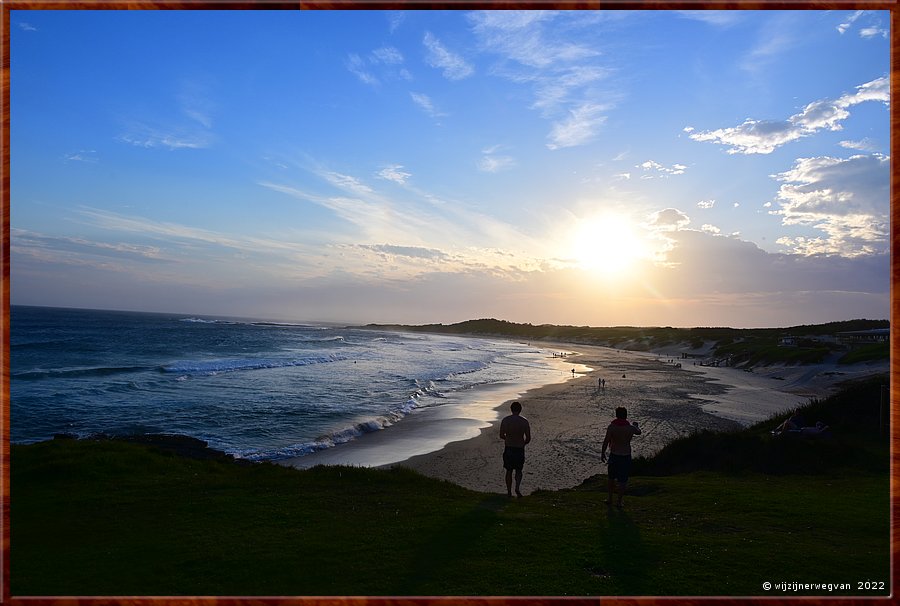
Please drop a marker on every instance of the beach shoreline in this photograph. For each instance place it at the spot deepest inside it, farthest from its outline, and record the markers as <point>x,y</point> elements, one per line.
<point>669,396</point>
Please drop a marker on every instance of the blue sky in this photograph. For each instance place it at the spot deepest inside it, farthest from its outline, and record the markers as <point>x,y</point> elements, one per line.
<point>688,168</point>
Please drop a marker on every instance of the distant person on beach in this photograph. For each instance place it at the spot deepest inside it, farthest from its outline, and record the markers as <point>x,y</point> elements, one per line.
<point>618,440</point>
<point>515,431</point>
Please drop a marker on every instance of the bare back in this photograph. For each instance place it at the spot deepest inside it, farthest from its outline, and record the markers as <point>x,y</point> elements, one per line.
<point>619,438</point>
<point>515,431</point>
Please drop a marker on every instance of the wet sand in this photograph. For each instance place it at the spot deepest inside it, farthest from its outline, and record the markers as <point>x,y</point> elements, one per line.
<point>569,419</point>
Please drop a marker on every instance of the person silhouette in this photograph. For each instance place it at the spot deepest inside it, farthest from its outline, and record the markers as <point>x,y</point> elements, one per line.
<point>618,439</point>
<point>515,431</point>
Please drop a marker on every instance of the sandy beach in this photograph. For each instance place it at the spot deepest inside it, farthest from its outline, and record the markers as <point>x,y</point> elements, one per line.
<point>569,418</point>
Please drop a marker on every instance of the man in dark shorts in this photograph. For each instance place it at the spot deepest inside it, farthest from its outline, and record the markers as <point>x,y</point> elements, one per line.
<point>515,431</point>
<point>618,439</point>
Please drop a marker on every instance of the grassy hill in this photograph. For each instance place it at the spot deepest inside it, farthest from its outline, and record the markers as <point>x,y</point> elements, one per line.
<point>712,514</point>
<point>746,347</point>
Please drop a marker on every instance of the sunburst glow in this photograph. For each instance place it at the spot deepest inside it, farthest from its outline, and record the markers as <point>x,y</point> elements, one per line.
<point>606,243</point>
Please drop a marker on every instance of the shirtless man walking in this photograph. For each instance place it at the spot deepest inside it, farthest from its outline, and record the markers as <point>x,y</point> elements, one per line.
<point>515,431</point>
<point>618,439</point>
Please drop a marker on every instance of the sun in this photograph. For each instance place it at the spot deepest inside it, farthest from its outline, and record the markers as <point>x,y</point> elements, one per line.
<point>606,244</point>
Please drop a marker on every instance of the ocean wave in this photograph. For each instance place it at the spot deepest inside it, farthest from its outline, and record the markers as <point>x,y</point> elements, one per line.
<point>468,368</point>
<point>288,325</point>
<point>196,320</point>
<point>335,438</point>
<point>429,389</point>
<point>91,371</point>
<point>205,321</point>
<point>212,367</point>
<point>334,339</point>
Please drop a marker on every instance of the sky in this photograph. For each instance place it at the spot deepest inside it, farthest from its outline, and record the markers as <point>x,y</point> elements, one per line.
<point>602,168</point>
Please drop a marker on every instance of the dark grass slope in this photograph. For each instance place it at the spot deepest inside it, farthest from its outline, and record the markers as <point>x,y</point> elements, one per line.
<point>858,417</point>
<point>116,518</point>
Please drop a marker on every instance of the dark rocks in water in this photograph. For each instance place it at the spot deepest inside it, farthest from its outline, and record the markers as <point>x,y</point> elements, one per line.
<point>64,436</point>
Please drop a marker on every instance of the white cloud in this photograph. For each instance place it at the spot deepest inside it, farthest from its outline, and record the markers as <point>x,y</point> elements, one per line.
<point>652,168</point>
<point>520,36</point>
<point>578,128</point>
<point>414,252</point>
<point>188,127</point>
<point>89,156</point>
<point>845,25</point>
<point>372,217</point>
<point>492,163</point>
<point>774,43</point>
<point>388,55</point>
<point>347,183</point>
<point>557,91</point>
<point>710,229</point>
<point>27,27</point>
<point>668,219</point>
<point>716,18</point>
<point>194,102</point>
<point>358,68</point>
<point>847,199</point>
<point>714,265</point>
<point>149,137</point>
<point>454,67</point>
<point>380,65</point>
<point>426,104</point>
<point>564,74</point>
<point>706,204</point>
<point>63,249</point>
<point>873,29</point>
<point>764,136</point>
<point>393,173</point>
<point>713,17</point>
<point>873,32</point>
<point>395,20</point>
<point>867,145</point>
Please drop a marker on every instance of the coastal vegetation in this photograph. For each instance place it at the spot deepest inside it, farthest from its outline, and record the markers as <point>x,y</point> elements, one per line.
<point>711,514</point>
<point>746,347</point>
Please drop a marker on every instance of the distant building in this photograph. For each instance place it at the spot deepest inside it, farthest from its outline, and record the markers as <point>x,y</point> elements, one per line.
<point>787,342</point>
<point>856,338</point>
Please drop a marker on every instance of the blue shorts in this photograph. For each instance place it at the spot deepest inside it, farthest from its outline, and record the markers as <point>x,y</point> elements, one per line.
<point>619,467</point>
<point>513,458</point>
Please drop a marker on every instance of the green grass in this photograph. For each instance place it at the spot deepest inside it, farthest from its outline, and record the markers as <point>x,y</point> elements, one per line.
<point>867,353</point>
<point>764,351</point>
<point>115,518</point>
<point>750,347</point>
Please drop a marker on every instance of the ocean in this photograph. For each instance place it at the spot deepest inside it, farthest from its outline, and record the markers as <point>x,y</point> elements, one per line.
<point>257,390</point>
